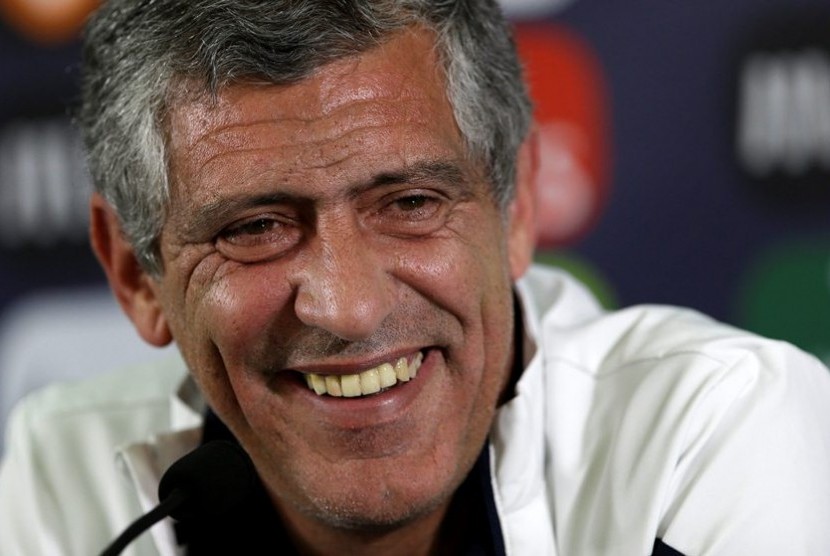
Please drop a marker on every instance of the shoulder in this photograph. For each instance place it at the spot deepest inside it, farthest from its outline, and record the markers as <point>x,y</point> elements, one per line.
<point>84,423</point>
<point>663,368</point>
<point>652,364</point>
<point>128,391</point>
<point>653,336</point>
<point>685,423</point>
<point>59,482</point>
<point>576,335</point>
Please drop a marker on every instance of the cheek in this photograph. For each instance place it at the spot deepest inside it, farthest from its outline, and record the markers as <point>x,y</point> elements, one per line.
<point>239,307</point>
<point>463,274</point>
<point>220,318</point>
<point>225,333</point>
<point>470,281</point>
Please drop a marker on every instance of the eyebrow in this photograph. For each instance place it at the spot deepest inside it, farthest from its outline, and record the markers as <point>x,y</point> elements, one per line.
<point>424,171</point>
<point>210,217</point>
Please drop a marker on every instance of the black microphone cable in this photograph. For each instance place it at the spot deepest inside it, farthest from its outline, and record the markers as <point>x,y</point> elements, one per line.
<point>209,481</point>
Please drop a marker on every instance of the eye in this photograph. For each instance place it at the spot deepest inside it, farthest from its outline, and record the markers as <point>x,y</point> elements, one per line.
<point>412,213</point>
<point>417,206</point>
<point>258,238</point>
<point>249,231</point>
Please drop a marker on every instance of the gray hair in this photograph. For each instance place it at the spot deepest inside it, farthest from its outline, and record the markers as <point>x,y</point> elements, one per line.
<point>137,52</point>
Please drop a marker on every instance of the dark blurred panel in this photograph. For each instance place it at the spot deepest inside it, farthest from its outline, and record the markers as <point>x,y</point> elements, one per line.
<point>682,224</point>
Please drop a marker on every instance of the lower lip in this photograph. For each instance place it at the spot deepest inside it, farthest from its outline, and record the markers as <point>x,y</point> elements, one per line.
<point>372,410</point>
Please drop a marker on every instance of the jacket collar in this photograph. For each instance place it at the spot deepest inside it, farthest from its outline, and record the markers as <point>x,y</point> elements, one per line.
<point>145,462</point>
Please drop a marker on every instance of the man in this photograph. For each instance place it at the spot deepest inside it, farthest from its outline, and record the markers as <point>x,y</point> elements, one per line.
<point>328,206</point>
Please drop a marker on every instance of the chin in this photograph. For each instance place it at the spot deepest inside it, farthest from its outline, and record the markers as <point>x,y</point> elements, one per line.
<point>385,512</point>
<point>377,507</point>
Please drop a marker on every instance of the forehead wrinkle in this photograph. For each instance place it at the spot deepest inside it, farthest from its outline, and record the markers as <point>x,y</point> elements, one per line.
<point>320,154</point>
<point>368,82</point>
<point>227,139</point>
<point>291,131</point>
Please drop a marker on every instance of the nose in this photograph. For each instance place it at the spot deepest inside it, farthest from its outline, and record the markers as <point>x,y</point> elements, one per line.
<point>342,286</point>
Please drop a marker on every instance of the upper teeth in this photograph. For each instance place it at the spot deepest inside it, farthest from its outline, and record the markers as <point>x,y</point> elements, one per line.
<point>370,381</point>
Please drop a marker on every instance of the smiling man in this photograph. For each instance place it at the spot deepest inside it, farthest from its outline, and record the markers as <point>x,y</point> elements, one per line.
<point>328,206</point>
<point>327,240</point>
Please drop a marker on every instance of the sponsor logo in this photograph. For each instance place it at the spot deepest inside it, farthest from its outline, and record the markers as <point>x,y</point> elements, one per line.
<point>44,186</point>
<point>782,135</point>
<point>571,105</point>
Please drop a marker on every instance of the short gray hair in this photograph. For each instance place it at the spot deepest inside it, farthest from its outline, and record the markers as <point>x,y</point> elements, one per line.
<point>137,51</point>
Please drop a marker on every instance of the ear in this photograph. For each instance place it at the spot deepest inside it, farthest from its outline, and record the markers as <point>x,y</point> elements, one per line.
<point>521,239</point>
<point>134,289</point>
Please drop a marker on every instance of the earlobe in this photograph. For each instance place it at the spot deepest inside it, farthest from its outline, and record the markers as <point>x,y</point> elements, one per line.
<point>134,289</point>
<point>522,209</point>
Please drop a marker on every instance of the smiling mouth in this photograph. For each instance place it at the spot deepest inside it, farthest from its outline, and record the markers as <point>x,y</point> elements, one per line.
<point>371,381</point>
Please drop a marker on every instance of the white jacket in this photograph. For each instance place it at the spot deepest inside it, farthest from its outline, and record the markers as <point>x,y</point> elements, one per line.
<point>650,422</point>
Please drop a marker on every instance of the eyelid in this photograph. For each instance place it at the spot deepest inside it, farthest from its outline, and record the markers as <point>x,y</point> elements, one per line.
<point>239,224</point>
<point>249,217</point>
<point>391,219</point>
<point>279,235</point>
<point>406,193</point>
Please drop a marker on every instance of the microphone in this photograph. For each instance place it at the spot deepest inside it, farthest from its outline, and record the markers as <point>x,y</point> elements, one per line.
<point>210,481</point>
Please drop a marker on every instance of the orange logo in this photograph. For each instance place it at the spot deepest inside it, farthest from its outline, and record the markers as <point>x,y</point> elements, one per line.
<point>47,21</point>
<point>569,93</point>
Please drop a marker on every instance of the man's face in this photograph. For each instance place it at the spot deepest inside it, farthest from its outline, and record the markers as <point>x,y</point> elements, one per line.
<point>326,229</point>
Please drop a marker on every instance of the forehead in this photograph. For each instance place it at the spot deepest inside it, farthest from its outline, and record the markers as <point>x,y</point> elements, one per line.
<point>390,98</point>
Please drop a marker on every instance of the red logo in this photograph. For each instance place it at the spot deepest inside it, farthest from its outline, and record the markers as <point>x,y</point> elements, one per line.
<point>568,89</point>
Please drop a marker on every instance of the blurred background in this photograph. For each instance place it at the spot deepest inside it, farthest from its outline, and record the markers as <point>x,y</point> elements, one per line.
<point>686,161</point>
